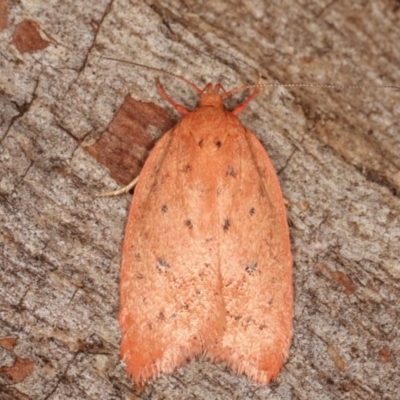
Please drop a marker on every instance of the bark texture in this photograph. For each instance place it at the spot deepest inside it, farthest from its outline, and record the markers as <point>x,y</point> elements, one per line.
<point>335,151</point>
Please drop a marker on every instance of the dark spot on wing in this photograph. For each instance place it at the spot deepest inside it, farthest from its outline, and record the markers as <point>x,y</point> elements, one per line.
<point>252,211</point>
<point>139,276</point>
<point>164,208</point>
<point>218,144</point>
<point>200,143</point>
<point>161,316</point>
<point>162,265</point>
<point>231,172</point>
<point>251,267</point>
<point>189,224</point>
<point>138,256</point>
<point>187,168</point>
<point>271,301</point>
<point>150,325</point>
<point>226,225</point>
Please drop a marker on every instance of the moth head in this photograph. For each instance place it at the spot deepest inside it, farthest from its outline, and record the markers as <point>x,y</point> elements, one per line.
<point>211,97</point>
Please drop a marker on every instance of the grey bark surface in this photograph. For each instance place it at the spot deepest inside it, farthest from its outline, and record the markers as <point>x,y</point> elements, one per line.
<point>335,151</point>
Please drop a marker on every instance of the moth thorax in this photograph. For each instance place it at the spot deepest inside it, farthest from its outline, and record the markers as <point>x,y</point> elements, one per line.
<point>211,100</point>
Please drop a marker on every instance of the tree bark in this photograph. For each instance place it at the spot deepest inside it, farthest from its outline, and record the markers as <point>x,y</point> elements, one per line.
<point>335,151</point>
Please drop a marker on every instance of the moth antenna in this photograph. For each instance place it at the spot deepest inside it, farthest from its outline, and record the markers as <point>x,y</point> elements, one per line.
<point>332,86</point>
<point>242,106</point>
<point>241,88</point>
<point>227,94</point>
<point>191,84</point>
<point>328,85</point>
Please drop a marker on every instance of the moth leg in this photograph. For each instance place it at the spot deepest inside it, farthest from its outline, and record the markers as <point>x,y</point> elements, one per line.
<point>164,95</point>
<point>123,190</point>
<point>242,106</point>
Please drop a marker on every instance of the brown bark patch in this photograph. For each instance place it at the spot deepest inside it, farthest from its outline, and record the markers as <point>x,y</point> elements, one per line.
<point>336,359</point>
<point>339,277</point>
<point>345,281</point>
<point>26,37</point>
<point>8,343</point>
<point>124,146</point>
<point>3,15</point>
<point>384,354</point>
<point>21,368</point>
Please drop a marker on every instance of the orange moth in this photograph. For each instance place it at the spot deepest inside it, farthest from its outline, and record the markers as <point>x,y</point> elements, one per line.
<point>206,264</point>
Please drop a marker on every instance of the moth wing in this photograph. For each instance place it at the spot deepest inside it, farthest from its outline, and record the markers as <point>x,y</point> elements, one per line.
<point>255,262</point>
<point>171,298</point>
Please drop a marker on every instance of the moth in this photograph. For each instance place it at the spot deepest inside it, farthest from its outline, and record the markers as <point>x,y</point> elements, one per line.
<point>206,263</point>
